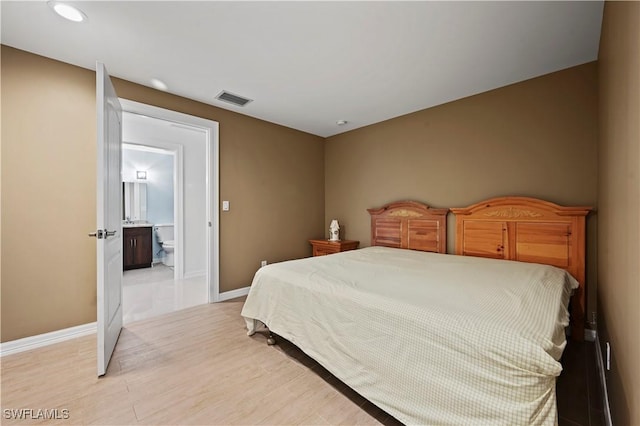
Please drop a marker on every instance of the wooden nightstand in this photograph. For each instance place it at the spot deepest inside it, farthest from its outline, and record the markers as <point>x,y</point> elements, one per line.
<point>323,247</point>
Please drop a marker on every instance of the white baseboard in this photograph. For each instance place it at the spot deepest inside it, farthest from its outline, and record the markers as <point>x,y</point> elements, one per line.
<point>603,383</point>
<point>33,342</point>
<point>233,294</point>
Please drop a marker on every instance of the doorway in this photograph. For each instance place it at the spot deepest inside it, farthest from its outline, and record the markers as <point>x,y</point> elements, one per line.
<point>184,271</point>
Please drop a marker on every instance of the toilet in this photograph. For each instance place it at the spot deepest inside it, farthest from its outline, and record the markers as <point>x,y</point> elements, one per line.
<point>164,233</point>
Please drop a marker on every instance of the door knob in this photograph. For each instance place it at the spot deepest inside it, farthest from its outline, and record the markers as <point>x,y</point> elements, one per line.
<point>102,233</point>
<point>98,234</point>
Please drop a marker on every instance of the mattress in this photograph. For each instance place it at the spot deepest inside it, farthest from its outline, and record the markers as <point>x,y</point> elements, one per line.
<point>429,338</point>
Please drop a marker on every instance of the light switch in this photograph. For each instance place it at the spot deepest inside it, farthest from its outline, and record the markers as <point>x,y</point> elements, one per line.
<point>225,206</point>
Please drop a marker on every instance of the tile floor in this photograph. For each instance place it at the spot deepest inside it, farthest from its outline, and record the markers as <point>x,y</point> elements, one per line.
<point>149,292</point>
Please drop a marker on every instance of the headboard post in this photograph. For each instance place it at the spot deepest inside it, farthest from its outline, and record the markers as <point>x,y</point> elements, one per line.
<point>528,230</point>
<point>409,225</point>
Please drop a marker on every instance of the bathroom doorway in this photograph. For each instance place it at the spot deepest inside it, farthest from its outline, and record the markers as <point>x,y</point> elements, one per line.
<point>149,193</point>
<point>172,159</point>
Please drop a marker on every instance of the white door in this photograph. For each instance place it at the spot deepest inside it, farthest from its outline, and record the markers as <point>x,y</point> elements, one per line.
<point>109,220</point>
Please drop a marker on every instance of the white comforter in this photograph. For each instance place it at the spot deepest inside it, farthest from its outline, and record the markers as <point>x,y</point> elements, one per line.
<point>430,338</point>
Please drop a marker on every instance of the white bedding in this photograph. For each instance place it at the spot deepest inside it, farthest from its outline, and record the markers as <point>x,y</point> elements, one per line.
<point>429,338</point>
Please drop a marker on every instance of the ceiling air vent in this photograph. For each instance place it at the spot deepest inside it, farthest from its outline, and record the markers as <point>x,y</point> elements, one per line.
<point>233,99</point>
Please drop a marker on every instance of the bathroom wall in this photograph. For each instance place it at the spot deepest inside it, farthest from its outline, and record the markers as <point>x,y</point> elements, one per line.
<point>159,168</point>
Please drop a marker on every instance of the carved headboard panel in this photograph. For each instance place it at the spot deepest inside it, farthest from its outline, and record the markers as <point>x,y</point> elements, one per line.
<point>528,230</point>
<point>409,225</point>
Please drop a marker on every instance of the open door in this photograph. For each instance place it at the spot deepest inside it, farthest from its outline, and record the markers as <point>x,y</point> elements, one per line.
<point>109,218</point>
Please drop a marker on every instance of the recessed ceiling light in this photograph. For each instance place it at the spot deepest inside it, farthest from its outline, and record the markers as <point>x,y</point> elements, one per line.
<point>68,12</point>
<point>159,84</point>
<point>341,122</point>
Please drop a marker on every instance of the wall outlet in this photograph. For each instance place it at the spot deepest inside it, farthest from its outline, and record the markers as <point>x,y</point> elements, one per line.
<point>263,263</point>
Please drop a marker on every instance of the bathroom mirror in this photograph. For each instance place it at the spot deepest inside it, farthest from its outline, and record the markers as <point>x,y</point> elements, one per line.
<point>134,206</point>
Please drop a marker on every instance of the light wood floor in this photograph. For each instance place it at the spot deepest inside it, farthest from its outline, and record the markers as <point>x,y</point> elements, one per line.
<point>195,366</point>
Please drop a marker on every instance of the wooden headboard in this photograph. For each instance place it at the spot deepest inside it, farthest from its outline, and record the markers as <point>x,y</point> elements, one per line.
<point>528,230</point>
<point>409,225</point>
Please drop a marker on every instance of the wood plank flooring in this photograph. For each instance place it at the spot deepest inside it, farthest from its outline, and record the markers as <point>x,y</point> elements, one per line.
<point>197,366</point>
<point>194,366</point>
<point>578,388</point>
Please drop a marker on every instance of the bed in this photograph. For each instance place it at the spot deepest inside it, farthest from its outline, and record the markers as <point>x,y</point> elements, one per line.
<point>433,338</point>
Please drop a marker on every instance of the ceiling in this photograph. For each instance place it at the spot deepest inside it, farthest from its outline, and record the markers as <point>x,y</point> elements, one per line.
<point>307,65</point>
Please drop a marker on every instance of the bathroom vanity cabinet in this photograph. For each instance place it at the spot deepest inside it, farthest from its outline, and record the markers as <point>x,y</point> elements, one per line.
<point>137,247</point>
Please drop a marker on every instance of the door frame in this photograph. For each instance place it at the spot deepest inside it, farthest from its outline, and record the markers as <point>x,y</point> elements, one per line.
<point>212,184</point>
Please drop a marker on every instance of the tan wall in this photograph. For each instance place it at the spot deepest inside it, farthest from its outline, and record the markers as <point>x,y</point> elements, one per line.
<point>536,138</point>
<point>48,195</point>
<point>272,175</point>
<point>619,205</point>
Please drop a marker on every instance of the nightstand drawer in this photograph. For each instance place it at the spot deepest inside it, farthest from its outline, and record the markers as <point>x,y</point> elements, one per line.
<point>324,247</point>
<point>323,250</point>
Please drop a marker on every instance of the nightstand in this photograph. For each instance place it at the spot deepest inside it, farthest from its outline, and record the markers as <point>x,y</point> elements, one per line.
<point>323,247</point>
